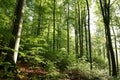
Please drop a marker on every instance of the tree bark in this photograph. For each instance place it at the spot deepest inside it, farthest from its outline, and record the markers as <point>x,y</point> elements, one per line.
<point>54,12</point>
<point>105,8</point>
<point>79,28</point>
<point>89,34</point>
<point>59,34</point>
<point>39,18</point>
<point>86,37</point>
<point>48,33</point>
<point>68,44</point>
<point>81,32</point>
<point>16,32</point>
<point>116,49</point>
<point>76,30</point>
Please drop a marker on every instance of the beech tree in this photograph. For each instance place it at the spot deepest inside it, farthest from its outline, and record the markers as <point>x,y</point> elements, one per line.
<point>54,18</point>
<point>76,29</point>
<point>68,41</point>
<point>89,34</point>
<point>16,30</point>
<point>39,18</point>
<point>105,9</point>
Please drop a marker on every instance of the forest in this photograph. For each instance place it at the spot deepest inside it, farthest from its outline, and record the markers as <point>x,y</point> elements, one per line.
<point>59,39</point>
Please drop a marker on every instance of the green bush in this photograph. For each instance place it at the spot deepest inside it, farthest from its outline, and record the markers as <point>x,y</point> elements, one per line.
<point>9,71</point>
<point>100,62</point>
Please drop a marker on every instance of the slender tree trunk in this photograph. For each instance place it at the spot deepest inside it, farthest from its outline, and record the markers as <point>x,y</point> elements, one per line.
<point>108,53</point>
<point>76,42</point>
<point>59,38</point>
<point>86,37</point>
<point>105,8</point>
<point>76,31</point>
<point>54,13</point>
<point>89,34</point>
<point>58,28</point>
<point>116,50</point>
<point>81,32</point>
<point>48,33</point>
<point>16,32</point>
<point>79,27</point>
<point>59,34</point>
<point>68,41</point>
<point>39,18</point>
<point>33,33</point>
<point>109,62</point>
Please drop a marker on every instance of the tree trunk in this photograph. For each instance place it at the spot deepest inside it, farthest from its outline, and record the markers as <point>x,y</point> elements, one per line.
<point>109,61</point>
<point>16,32</point>
<point>81,32</point>
<point>76,31</point>
<point>116,49</point>
<point>86,37</point>
<point>54,12</point>
<point>105,8</point>
<point>79,27</point>
<point>39,18</point>
<point>59,34</point>
<point>89,34</point>
<point>68,44</point>
<point>48,33</point>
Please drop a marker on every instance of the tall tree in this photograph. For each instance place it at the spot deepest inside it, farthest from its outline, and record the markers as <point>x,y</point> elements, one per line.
<point>39,18</point>
<point>59,33</point>
<point>105,8</point>
<point>81,25</point>
<point>76,30</point>
<point>17,29</point>
<point>48,33</point>
<point>86,35</point>
<point>54,13</point>
<point>115,40</point>
<point>68,44</point>
<point>89,34</point>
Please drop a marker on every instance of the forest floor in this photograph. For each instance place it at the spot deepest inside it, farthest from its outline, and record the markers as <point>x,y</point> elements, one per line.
<point>24,69</point>
<point>26,73</point>
<point>30,72</point>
